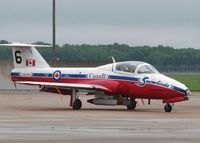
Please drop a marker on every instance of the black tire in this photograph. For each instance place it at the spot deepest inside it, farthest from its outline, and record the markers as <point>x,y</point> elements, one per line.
<point>77,104</point>
<point>168,108</point>
<point>132,106</point>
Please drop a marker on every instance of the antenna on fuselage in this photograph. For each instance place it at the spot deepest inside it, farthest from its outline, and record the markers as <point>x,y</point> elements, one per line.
<point>113,59</point>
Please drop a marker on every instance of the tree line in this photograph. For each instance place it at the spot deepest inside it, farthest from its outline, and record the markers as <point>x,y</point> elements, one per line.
<point>156,55</point>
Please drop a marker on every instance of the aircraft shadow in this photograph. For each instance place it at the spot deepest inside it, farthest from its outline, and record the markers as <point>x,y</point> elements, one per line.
<point>67,109</point>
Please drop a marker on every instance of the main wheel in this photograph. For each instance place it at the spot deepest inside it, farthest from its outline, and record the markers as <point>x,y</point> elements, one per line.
<point>168,108</point>
<point>77,104</point>
<point>132,106</point>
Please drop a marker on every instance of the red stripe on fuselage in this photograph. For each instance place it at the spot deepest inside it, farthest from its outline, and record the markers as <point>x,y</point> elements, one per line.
<point>121,87</point>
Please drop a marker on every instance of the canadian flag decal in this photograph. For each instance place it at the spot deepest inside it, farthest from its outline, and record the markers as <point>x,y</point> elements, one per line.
<point>30,62</point>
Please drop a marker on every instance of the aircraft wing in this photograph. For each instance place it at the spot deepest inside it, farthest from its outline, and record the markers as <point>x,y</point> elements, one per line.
<point>66,85</point>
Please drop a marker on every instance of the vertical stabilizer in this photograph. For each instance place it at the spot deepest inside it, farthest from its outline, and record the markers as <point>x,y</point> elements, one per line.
<point>25,55</point>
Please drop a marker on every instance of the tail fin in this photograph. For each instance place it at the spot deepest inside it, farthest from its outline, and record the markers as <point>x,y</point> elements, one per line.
<point>25,55</point>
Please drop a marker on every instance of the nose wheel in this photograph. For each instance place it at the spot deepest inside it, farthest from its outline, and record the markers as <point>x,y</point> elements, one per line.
<point>168,107</point>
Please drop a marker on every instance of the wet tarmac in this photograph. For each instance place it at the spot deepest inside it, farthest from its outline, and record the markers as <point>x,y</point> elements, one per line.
<point>31,116</point>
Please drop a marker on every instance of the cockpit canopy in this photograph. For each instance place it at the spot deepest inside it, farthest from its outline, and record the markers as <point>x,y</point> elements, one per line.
<point>135,67</point>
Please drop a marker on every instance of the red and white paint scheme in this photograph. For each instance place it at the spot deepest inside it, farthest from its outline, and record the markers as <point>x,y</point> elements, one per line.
<point>118,83</point>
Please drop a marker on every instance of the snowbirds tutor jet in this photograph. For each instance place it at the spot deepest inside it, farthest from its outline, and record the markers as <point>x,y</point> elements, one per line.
<point>118,83</point>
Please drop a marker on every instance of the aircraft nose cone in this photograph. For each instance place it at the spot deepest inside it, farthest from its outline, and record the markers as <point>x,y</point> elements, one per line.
<point>178,86</point>
<point>182,88</point>
<point>188,92</point>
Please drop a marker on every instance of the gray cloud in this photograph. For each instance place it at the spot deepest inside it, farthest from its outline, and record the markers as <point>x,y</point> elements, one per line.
<point>130,12</point>
<point>135,22</point>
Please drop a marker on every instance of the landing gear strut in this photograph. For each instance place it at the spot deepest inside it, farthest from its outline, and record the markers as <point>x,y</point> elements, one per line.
<point>75,102</point>
<point>168,108</point>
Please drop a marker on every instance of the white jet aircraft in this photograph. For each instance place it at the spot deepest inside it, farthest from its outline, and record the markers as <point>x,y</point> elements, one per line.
<point>118,83</point>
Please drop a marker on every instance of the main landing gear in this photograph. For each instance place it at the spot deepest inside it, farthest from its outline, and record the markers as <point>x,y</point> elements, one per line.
<point>75,101</point>
<point>168,107</point>
<point>133,104</point>
<point>131,107</point>
<point>77,104</point>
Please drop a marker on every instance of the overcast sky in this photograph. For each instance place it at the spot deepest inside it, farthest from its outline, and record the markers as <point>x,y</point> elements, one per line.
<point>135,22</point>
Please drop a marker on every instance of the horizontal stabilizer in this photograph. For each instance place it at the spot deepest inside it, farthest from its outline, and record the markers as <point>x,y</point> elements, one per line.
<point>23,45</point>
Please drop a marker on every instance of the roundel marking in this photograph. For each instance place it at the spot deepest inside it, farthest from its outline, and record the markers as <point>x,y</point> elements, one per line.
<point>57,75</point>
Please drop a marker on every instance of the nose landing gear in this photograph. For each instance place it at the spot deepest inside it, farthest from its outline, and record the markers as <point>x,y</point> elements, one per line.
<point>168,107</point>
